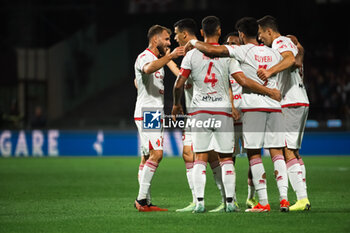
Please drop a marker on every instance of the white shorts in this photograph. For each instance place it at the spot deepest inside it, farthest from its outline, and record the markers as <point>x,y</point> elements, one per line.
<point>295,120</point>
<point>263,130</point>
<point>239,144</point>
<point>149,140</point>
<point>220,139</point>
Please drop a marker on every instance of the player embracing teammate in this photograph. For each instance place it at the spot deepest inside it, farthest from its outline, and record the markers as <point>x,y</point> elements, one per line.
<point>259,70</point>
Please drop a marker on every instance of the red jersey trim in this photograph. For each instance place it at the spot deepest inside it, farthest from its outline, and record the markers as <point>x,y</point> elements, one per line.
<point>151,52</point>
<point>295,105</point>
<point>210,112</point>
<point>261,110</point>
<point>185,72</point>
<point>214,43</point>
<point>138,118</point>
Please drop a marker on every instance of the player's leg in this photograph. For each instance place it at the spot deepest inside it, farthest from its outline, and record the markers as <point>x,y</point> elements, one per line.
<point>302,166</point>
<point>293,118</point>
<point>300,139</point>
<point>228,180</point>
<point>188,157</point>
<point>149,169</point>
<point>275,141</point>
<point>214,163</point>
<point>199,180</point>
<point>259,180</point>
<point>254,124</point>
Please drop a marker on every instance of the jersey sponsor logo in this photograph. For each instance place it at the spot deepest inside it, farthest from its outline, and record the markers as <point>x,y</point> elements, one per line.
<point>152,119</point>
<point>157,74</point>
<point>209,98</point>
<point>236,97</point>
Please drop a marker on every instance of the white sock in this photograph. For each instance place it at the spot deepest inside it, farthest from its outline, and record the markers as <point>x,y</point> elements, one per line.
<point>303,170</point>
<point>189,174</point>
<point>228,178</point>
<point>146,178</point>
<point>295,178</point>
<point>259,179</point>
<point>251,189</point>
<point>139,179</point>
<point>281,176</point>
<point>139,173</point>
<point>199,179</point>
<point>215,166</point>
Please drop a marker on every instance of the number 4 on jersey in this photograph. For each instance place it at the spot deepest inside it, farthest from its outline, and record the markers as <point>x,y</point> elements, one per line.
<point>210,77</point>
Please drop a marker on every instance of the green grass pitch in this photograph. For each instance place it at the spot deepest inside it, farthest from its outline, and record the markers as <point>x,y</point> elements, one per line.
<point>97,194</point>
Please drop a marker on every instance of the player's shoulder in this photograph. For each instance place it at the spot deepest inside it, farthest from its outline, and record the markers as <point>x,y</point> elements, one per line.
<point>147,53</point>
<point>281,39</point>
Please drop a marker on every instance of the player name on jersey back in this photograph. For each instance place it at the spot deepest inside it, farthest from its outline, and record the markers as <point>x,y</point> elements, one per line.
<point>252,57</point>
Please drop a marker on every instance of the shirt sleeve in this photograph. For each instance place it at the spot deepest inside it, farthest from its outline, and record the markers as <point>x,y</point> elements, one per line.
<point>235,51</point>
<point>186,65</point>
<point>285,44</point>
<point>234,66</point>
<point>144,59</point>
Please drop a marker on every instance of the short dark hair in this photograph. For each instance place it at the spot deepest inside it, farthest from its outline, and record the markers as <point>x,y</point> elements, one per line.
<point>268,21</point>
<point>210,25</point>
<point>186,24</point>
<point>249,26</point>
<point>156,30</point>
<point>235,33</point>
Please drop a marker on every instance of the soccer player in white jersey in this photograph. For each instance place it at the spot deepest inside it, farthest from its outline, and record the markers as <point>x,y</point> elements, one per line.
<point>212,100</point>
<point>149,74</point>
<point>263,124</point>
<point>184,31</point>
<point>233,39</point>
<point>295,103</point>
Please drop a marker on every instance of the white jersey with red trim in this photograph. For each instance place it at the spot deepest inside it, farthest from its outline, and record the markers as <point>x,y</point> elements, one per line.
<point>252,57</point>
<point>210,78</point>
<point>150,87</point>
<point>290,83</point>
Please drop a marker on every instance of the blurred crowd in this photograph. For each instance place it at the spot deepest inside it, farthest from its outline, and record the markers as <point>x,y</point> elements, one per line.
<point>327,79</point>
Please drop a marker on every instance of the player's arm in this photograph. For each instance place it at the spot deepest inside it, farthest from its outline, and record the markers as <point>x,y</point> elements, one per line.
<point>208,49</point>
<point>299,58</point>
<point>155,65</point>
<point>287,61</point>
<point>173,67</point>
<point>177,92</point>
<point>235,112</point>
<point>256,87</point>
<point>135,83</point>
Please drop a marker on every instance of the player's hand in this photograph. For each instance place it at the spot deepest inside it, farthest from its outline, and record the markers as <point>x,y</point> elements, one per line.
<point>263,74</point>
<point>177,52</point>
<point>177,110</point>
<point>275,94</point>
<point>235,114</point>
<point>188,46</point>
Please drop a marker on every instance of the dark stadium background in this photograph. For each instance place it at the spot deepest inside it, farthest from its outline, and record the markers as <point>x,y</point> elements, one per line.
<point>74,59</point>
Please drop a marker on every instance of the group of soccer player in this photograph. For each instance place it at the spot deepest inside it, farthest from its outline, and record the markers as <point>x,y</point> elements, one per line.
<point>255,90</point>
